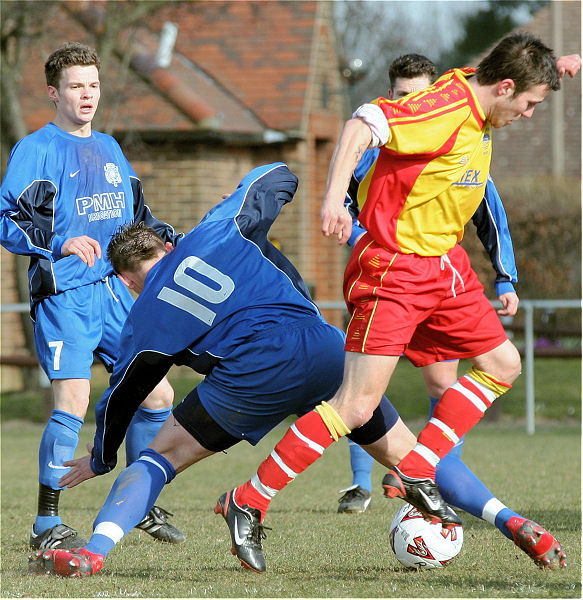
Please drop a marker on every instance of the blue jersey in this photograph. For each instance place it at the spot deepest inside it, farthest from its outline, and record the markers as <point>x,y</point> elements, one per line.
<point>223,285</point>
<point>59,186</point>
<point>490,221</point>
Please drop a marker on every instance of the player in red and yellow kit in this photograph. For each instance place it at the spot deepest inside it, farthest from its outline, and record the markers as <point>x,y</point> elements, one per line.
<point>409,285</point>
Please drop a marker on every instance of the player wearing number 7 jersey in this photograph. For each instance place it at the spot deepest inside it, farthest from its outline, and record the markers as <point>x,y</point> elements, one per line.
<point>67,189</point>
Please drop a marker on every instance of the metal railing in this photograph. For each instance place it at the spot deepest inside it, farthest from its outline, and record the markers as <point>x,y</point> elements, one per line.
<point>528,306</point>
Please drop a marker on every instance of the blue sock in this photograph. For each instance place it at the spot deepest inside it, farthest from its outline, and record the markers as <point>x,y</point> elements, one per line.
<point>361,464</point>
<point>132,496</point>
<point>143,429</point>
<point>57,445</point>
<point>460,487</point>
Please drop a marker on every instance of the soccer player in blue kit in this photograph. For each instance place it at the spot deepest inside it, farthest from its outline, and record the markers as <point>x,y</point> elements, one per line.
<point>228,304</point>
<point>67,189</point>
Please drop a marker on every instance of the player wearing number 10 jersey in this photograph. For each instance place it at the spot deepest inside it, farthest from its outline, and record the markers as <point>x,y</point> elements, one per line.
<point>228,304</point>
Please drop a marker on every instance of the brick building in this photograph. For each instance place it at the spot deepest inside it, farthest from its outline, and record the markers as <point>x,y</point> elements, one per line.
<point>248,83</point>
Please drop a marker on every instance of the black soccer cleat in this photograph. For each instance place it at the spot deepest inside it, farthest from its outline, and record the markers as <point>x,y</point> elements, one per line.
<point>423,494</point>
<point>246,530</point>
<point>60,537</point>
<point>157,525</point>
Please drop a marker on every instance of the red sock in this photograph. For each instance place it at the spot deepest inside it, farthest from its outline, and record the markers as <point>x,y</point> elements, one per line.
<point>303,443</point>
<point>460,408</point>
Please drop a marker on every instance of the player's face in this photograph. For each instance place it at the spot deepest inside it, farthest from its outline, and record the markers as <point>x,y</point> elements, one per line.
<point>77,97</point>
<point>404,86</point>
<point>510,107</point>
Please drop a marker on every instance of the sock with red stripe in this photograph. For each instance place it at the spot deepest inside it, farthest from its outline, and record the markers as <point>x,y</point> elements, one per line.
<point>460,408</point>
<point>303,443</point>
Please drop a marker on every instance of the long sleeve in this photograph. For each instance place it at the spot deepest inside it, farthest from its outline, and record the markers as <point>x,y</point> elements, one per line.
<point>492,229</point>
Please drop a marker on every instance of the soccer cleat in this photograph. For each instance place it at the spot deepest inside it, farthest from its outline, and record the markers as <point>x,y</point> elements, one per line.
<point>355,500</point>
<point>538,543</point>
<point>423,494</point>
<point>60,536</point>
<point>246,530</point>
<point>66,563</point>
<point>156,524</point>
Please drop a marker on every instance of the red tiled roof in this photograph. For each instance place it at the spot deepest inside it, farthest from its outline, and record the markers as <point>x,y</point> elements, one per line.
<point>238,67</point>
<point>259,51</point>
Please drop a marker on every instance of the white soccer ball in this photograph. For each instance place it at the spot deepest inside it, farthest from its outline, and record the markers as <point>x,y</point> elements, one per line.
<point>420,544</point>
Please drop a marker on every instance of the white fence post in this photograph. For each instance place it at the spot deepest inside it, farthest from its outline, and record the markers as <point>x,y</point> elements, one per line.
<point>529,363</point>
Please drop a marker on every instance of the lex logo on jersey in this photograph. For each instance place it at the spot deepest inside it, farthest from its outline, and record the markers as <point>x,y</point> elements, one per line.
<point>112,173</point>
<point>471,178</point>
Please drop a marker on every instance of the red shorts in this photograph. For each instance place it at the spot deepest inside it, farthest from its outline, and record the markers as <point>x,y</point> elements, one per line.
<point>428,308</point>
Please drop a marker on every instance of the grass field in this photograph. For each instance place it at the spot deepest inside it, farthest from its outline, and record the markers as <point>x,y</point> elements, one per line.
<point>313,552</point>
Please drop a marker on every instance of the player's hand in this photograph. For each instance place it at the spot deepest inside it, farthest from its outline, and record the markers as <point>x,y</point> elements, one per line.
<point>509,302</point>
<point>80,470</point>
<point>84,247</point>
<point>336,220</point>
<point>568,64</point>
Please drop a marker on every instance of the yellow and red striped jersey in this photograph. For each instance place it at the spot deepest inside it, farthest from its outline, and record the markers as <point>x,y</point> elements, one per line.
<point>429,178</point>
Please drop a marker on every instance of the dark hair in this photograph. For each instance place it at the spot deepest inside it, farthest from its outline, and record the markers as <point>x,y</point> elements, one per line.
<point>70,54</point>
<point>133,244</point>
<point>523,58</point>
<point>408,66</point>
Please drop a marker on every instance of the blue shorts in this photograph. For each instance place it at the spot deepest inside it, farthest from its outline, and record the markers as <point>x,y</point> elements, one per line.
<point>73,327</point>
<point>283,371</point>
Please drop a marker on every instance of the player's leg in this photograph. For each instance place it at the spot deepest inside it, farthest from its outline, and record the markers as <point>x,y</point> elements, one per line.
<point>116,302</point>
<point>364,381</point>
<point>64,332</point>
<point>461,488</point>
<point>58,444</point>
<point>466,325</point>
<point>132,496</point>
<point>438,376</point>
<point>357,497</point>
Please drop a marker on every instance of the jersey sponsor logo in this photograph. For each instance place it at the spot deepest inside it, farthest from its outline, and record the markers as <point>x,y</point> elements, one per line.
<point>74,174</point>
<point>471,178</point>
<point>99,207</point>
<point>112,173</point>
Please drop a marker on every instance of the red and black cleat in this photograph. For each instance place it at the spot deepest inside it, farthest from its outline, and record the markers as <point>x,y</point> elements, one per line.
<point>423,494</point>
<point>538,543</point>
<point>66,563</point>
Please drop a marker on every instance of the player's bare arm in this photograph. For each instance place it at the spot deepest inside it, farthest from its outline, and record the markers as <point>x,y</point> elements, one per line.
<point>86,248</point>
<point>354,140</point>
<point>569,64</point>
<point>509,302</point>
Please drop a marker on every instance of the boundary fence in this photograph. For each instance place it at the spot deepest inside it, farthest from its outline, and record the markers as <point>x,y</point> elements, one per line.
<point>527,306</point>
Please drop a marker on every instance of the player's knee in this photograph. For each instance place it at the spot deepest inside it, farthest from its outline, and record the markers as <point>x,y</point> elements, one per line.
<point>359,416</point>
<point>512,364</point>
<point>71,396</point>
<point>161,397</point>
